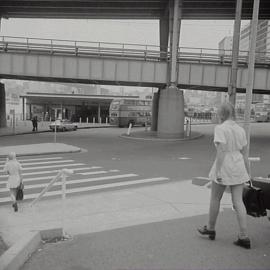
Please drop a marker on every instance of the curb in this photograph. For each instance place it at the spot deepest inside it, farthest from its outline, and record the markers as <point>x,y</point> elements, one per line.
<point>43,131</point>
<point>44,153</point>
<point>133,137</point>
<point>15,257</point>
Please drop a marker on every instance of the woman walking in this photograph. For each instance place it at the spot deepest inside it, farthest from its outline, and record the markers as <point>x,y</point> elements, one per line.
<point>231,168</point>
<point>14,170</point>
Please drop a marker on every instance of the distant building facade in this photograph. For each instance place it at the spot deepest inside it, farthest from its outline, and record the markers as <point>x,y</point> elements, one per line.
<point>262,46</point>
<point>263,38</point>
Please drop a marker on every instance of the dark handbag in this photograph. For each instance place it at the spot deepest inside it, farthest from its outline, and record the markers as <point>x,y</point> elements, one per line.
<point>19,194</point>
<point>253,201</point>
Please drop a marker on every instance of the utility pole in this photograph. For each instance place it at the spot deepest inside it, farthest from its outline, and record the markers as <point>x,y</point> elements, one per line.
<point>250,78</point>
<point>235,53</point>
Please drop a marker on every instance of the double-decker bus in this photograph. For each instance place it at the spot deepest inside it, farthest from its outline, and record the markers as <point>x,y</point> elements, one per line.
<point>126,111</point>
<point>262,112</point>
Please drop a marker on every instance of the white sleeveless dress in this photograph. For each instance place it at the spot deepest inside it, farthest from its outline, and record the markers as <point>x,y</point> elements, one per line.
<point>233,139</point>
<point>13,168</point>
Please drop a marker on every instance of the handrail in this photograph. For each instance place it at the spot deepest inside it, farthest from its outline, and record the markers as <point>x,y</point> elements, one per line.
<point>137,51</point>
<point>60,175</point>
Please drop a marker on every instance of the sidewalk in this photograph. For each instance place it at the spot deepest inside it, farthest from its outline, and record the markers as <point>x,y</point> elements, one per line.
<point>25,127</point>
<point>150,227</point>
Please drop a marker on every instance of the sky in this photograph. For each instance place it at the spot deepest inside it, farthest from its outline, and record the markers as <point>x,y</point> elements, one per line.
<point>196,34</point>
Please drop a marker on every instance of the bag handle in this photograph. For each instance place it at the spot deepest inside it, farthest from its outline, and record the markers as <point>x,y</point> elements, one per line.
<point>250,182</point>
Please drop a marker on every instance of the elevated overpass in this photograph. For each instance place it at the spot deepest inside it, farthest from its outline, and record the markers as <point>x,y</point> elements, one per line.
<point>168,109</point>
<point>124,64</point>
<point>126,9</point>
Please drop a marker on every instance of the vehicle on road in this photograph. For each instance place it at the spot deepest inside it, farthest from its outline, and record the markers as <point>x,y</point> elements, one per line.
<point>126,111</point>
<point>262,112</point>
<point>63,125</point>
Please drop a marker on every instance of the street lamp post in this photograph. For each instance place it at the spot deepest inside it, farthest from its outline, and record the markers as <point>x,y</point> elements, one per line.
<point>250,78</point>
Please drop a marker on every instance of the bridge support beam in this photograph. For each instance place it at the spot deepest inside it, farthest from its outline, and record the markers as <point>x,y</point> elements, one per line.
<point>171,100</point>
<point>3,121</point>
<point>164,36</point>
<point>171,115</point>
<point>235,53</point>
<point>155,101</point>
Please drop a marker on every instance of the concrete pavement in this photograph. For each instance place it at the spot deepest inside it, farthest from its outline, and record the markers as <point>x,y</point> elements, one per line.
<point>110,230</point>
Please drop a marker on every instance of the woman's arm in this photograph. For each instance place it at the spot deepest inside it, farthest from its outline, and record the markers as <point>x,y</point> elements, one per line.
<point>245,155</point>
<point>219,158</point>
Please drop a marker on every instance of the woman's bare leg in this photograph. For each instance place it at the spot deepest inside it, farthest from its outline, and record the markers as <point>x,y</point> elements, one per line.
<point>241,213</point>
<point>216,195</point>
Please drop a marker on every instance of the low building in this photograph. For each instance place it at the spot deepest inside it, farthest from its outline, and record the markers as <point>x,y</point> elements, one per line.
<point>74,107</point>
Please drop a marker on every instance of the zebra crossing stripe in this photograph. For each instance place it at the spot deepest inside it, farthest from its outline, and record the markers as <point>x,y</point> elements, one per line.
<point>31,179</point>
<point>55,171</point>
<point>44,162</point>
<point>79,181</point>
<point>34,159</point>
<point>89,173</point>
<point>92,188</point>
<point>52,166</point>
<point>86,180</point>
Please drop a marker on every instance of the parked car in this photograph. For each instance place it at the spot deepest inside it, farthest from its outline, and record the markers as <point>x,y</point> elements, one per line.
<point>63,125</point>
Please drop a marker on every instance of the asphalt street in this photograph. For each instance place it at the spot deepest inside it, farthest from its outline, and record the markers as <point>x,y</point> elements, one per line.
<point>178,160</point>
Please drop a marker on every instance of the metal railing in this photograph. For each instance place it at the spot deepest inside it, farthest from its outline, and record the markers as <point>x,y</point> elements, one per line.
<point>122,50</point>
<point>62,174</point>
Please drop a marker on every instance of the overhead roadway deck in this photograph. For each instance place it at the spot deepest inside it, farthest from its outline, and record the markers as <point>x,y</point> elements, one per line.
<point>127,9</point>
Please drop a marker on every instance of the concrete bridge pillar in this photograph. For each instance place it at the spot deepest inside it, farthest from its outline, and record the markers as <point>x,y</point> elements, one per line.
<point>235,52</point>
<point>155,102</point>
<point>171,113</point>
<point>3,121</point>
<point>171,100</point>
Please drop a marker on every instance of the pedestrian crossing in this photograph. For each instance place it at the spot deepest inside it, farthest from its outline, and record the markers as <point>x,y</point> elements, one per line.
<point>38,172</point>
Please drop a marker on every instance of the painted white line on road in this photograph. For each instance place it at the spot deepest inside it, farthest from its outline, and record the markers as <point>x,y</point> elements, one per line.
<point>89,173</point>
<point>93,188</point>
<point>52,166</point>
<point>80,181</point>
<point>86,180</point>
<point>31,179</point>
<point>34,159</point>
<point>55,171</point>
<point>44,162</point>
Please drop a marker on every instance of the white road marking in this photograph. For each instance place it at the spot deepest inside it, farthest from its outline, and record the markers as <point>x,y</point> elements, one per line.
<point>34,159</point>
<point>31,179</point>
<point>54,171</point>
<point>93,188</point>
<point>52,166</point>
<point>88,173</point>
<point>44,162</point>
<point>85,180</point>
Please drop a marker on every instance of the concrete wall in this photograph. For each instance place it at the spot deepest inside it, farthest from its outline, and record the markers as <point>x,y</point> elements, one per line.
<point>123,71</point>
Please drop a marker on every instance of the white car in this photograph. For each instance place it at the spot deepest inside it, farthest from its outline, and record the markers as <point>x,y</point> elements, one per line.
<point>63,125</point>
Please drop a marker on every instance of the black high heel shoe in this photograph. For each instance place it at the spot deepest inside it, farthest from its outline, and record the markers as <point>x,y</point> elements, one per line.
<point>245,243</point>
<point>204,231</point>
<point>15,206</point>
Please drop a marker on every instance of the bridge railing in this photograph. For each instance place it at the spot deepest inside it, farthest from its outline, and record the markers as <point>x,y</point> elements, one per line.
<point>132,51</point>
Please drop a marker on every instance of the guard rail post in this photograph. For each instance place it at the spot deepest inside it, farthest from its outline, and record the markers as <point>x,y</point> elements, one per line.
<point>64,173</point>
<point>129,129</point>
